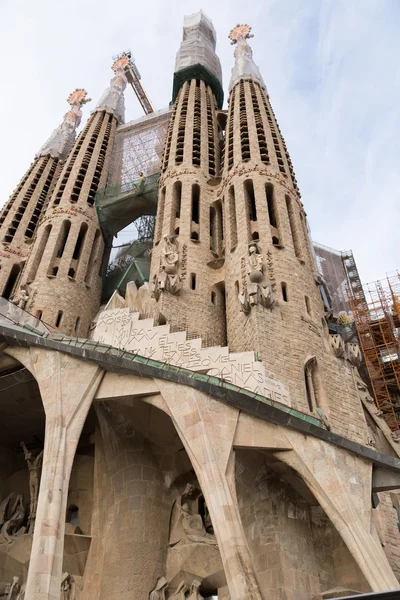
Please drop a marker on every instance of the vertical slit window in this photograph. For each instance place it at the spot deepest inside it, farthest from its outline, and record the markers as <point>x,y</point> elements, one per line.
<point>59,318</point>
<point>244,129</point>
<point>80,241</point>
<point>229,145</point>
<point>39,314</point>
<point>197,126</point>
<point>180,138</point>
<point>160,216</point>
<point>76,328</point>
<point>293,227</point>
<point>313,384</point>
<point>284,291</point>
<point>39,253</point>
<point>232,217</point>
<point>192,281</point>
<point>308,305</point>
<point>11,281</point>
<point>93,256</point>
<point>272,213</point>
<point>41,202</point>
<point>195,227</point>
<point>213,241</point>
<point>211,134</point>
<point>262,142</point>
<point>62,238</point>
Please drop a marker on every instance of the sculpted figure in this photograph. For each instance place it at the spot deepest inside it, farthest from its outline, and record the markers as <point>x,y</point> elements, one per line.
<point>180,593</point>
<point>159,591</point>
<point>67,587</point>
<point>22,299</point>
<point>194,528</point>
<point>254,264</point>
<point>162,279</point>
<point>34,466</point>
<point>13,524</point>
<point>194,591</point>
<point>9,591</point>
<point>21,595</point>
<point>169,255</point>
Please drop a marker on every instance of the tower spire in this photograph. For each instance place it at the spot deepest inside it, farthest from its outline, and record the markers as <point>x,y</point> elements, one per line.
<point>245,67</point>
<point>112,100</point>
<point>62,139</point>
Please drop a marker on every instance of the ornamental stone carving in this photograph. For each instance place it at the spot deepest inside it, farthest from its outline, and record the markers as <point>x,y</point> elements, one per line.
<point>159,591</point>
<point>353,354</point>
<point>168,278</point>
<point>256,292</point>
<point>337,345</point>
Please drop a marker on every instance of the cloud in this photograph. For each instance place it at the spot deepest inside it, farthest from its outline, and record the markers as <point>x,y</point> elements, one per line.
<point>330,67</point>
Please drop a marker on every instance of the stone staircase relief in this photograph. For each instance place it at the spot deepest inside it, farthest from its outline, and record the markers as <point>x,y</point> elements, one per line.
<point>123,328</point>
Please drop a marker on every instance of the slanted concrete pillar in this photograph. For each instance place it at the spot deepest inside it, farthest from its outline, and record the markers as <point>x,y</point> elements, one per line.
<point>207,428</point>
<point>67,386</point>
<point>341,483</point>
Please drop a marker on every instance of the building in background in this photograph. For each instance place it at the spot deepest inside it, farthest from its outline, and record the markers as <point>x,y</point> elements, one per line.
<point>191,421</point>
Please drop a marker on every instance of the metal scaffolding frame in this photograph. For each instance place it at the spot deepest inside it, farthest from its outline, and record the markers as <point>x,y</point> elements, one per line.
<point>376,312</point>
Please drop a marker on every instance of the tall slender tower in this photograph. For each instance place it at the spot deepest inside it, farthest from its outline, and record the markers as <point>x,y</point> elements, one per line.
<point>187,258</point>
<point>272,295</point>
<point>20,216</point>
<point>63,270</point>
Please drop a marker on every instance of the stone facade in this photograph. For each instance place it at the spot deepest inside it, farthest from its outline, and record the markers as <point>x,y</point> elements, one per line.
<point>209,438</point>
<point>22,213</point>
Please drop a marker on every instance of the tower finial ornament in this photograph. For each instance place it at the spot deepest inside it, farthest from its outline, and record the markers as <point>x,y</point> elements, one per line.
<point>62,139</point>
<point>240,31</point>
<point>112,100</point>
<point>245,67</point>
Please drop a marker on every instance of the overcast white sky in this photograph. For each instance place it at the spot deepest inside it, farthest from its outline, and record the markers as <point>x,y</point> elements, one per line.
<point>331,67</point>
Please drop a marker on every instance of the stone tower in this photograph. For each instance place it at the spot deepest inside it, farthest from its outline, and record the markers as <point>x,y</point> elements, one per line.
<point>273,301</point>
<point>20,217</point>
<point>186,268</point>
<point>63,271</point>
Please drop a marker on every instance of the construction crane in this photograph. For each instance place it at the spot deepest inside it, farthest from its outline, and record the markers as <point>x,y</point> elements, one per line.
<point>133,76</point>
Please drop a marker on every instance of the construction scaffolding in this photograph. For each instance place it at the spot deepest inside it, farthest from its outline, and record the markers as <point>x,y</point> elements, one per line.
<point>376,312</point>
<point>130,197</point>
<point>138,148</point>
<point>331,267</point>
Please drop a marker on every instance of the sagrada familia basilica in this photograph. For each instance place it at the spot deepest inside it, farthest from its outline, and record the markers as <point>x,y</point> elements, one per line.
<point>206,434</point>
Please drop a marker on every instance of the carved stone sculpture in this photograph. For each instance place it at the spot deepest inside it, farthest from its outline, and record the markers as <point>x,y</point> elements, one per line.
<point>254,265</point>
<point>362,388</point>
<point>9,591</point>
<point>168,278</point>
<point>353,354</point>
<point>180,593</point>
<point>255,292</point>
<point>68,589</point>
<point>193,527</point>
<point>159,591</point>
<point>194,591</point>
<point>14,516</point>
<point>21,595</point>
<point>337,345</point>
<point>34,466</point>
<point>169,255</point>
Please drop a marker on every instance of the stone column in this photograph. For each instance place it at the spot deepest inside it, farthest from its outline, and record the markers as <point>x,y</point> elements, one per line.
<point>207,429</point>
<point>66,399</point>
